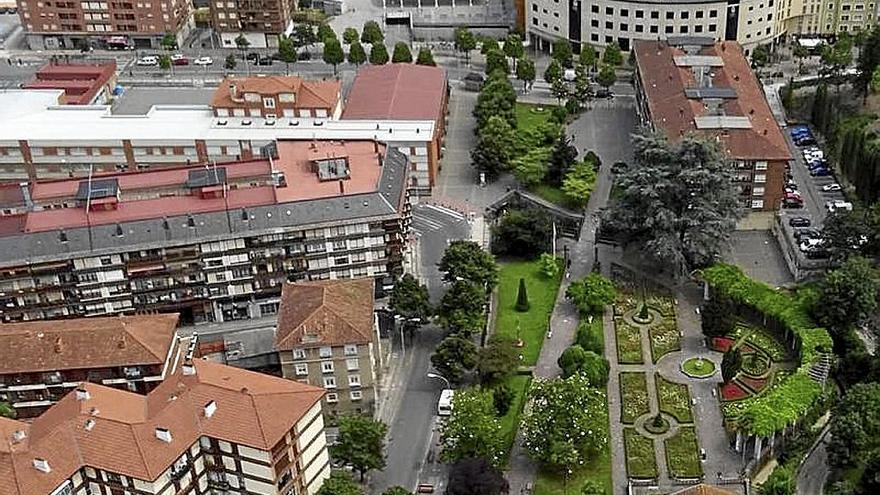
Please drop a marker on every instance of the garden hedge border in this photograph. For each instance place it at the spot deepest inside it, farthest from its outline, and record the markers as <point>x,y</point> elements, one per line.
<point>786,402</point>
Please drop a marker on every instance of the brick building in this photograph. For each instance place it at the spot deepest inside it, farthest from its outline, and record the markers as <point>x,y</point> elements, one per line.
<point>260,21</point>
<point>272,97</point>
<point>83,84</point>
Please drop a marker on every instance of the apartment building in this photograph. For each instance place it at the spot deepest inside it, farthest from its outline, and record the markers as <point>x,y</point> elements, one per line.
<point>212,243</point>
<point>405,92</point>
<point>43,361</point>
<point>271,97</point>
<point>695,86</point>
<point>260,21</point>
<point>206,429</point>
<point>328,336</point>
<point>58,24</point>
<point>83,84</point>
<point>822,17</point>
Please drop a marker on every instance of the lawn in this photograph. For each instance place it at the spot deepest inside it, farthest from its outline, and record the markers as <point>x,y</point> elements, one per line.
<point>633,397</point>
<point>683,454</point>
<point>629,343</point>
<point>528,116</point>
<point>674,399</point>
<point>519,384</point>
<point>664,338</point>
<point>551,194</point>
<point>533,323</point>
<point>640,459</point>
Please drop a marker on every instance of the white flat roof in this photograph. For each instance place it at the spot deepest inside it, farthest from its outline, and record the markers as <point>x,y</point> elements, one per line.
<point>26,116</point>
<point>722,122</point>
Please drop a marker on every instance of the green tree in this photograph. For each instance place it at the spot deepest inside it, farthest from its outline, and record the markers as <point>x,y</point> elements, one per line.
<point>356,54</point>
<point>868,61</point>
<point>496,61</point>
<point>425,57</point>
<point>350,35</point>
<point>525,72</point>
<point>491,154</point>
<point>513,48</point>
<point>230,62</point>
<point>360,443</point>
<point>606,77</point>
<point>522,232</point>
<point>870,480</point>
<point>241,42</point>
<point>562,158</point>
<point>304,35</point>
<point>488,44</point>
<point>612,55</point>
<point>591,294</point>
<point>286,52</point>
<point>567,424</point>
<point>562,53</point>
<point>531,168</point>
<point>472,430</point>
<point>760,56</point>
<point>401,54</point>
<point>397,490</point>
<point>164,61</point>
<point>325,32</point>
<point>553,72</point>
<point>684,192</point>
<point>592,366</point>
<point>549,265</point>
<point>582,89</point>
<point>333,53</point>
<point>522,297</point>
<point>588,56</point>
<point>410,299</point>
<point>169,41</point>
<point>593,487</point>
<point>588,338</point>
<point>717,316</point>
<point>497,360</point>
<point>731,364</point>
<point>780,482</point>
<point>848,294</point>
<point>851,233</point>
<point>578,183</point>
<point>836,58</point>
<point>372,33</point>
<point>476,476</point>
<point>454,357</point>
<point>7,411</point>
<point>378,54</point>
<point>855,426</point>
<point>468,261</point>
<point>559,90</point>
<point>465,42</point>
<point>339,483</point>
<point>502,399</point>
<point>461,309</point>
<point>497,97</point>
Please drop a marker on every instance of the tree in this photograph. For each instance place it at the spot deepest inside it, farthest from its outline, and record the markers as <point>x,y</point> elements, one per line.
<point>588,56</point>
<point>378,54</point>
<point>286,52</point>
<point>522,232</point>
<point>522,297</point>
<point>488,44</point>
<point>591,294</point>
<point>473,429</point>
<point>571,360</point>
<point>561,159</point>
<point>241,42</point>
<point>356,54</point>
<point>717,316</point>
<point>578,183</point>
<point>559,90</point>
<point>497,360</point>
<point>339,483</point>
<point>731,364</point>
<point>612,55</point>
<point>553,72</point>
<point>800,53</point>
<point>230,62</point>
<point>304,35</point>
<point>513,48</point>
<point>397,490</point>
<point>350,36</point>
<point>868,61</point>
<point>850,233</point>
<point>497,97</point>
<point>589,339</point>
<point>410,299</point>
<point>360,443</point>
<point>870,480</point>
<point>491,155</point>
<point>582,88</point>
<point>566,425</point>
<point>836,58</point>
<point>780,482</point>
<point>333,53</point>
<point>531,168</point>
<point>164,61</point>
<point>7,411</point>
<point>476,476</point>
<point>502,399</point>
<point>606,77</point>
<point>855,426</point>
<point>169,41</point>
<point>461,309</point>
<point>468,261</point>
<point>593,487</point>
<point>760,56</point>
<point>401,54</point>
<point>425,57</point>
<point>525,72</point>
<point>549,265</point>
<point>454,357</point>
<point>677,202</point>
<point>465,42</point>
<point>325,32</point>
<point>372,33</point>
<point>496,61</point>
<point>848,294</point>
<point>562,53</point>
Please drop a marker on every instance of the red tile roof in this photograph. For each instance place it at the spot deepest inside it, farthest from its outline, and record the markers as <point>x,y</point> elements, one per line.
<point>702,489</point>
<point>673,112</point>
<point>309,94</point>
<point>326,313</point>
<point>80,82</point>
<point>253,409</point>
<point>397,92</point>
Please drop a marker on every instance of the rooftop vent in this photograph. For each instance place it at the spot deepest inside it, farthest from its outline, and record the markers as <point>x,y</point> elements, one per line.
<point>332,169</point>
<point>42,465</point>
<point>18,436</point>
<point>90,424</point>
<point>163,434</point>
<point>82,394</point>
<point>188,369</point>
<point>210,409</point>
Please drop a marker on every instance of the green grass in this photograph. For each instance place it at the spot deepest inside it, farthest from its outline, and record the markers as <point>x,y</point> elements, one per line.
<point>533,323</point>
<point>683,454</point>
<point>664,338</point>
<point>551,194</point>
<point>629,343</point>
<point>699,368</point>
<point>527,116</point>
<point>633,397</point>
<point>674,399</point>
<point>640,459</point>
<point>519,384</point>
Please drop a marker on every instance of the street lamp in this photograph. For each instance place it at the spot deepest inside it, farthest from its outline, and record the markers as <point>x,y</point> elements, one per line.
<point>439,377</point>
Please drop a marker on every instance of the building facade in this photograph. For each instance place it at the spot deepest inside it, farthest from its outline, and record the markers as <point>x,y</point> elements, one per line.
<point>72,24</point>
<point>83,84</point>
<point>328,336</point>
<point>259,21</point>
<point>45,361</point>
<point>272,97</point>
<point>695,86</point>
<point>207,429</point>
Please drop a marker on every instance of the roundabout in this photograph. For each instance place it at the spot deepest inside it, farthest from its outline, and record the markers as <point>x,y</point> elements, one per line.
<point>698,367</point>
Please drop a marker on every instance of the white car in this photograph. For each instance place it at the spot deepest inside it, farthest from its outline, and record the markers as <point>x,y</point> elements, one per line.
<point>177,56</point>
<point>833,206</point>
<point>831,187</point>
<point>203,61</point>
<point>149,60</point>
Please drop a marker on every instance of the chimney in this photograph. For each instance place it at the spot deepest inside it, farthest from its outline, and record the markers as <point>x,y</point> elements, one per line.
<point>233,91</point>
<point>26,196</point>
<point>188,368</point>
<point>94,411</point>
<point>341,187</point>
<point>42,465</point>
<point>375,145</point>
<point>210,409</point>
<point>723,47</point>
<point>90,424</point>
<point>58,345</point>
<point>163,434</point>
<point>121,342</point>
<point>82,394</point>
<point>18,436</point>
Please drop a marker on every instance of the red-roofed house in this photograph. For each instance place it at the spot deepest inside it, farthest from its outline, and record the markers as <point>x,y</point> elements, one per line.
<point>272,97</point>
<point>83,84</point>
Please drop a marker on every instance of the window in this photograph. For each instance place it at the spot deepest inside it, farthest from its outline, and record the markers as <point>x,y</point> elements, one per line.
<point>713,14</point>
<point>699,14</point>
<point>609,25</point>
<point>534,7</point>
<point>712,27</point>
<point>299,354</point>
<point>762,165</point>
<point>640,28</point>
<point>624,12</point>
<point>760,178</point>
<point>624,26</point>
<point>654,29</point>
<point>609,11</point>
<point>332,398</point>
<point>684,14</point>
<point>757,204</point>
<point>356,395</point>
<point>329,382</point>
<point>325,352</point>
<point>594,37</point>
<point>655,14</point>
<point>594,9</point>
<point>670,15</point>
<point>269,102</point>
<point>640,14</point>
<point>698,28</point>
<point>301,369</point>
<point>326,366</point>
<point>354,380</point>
<point>758,191</point>
<point>351,350</point>
<point>669,29</point>
<point>352,364</point>
<point>594,23</point>
<point>683,29</point>
<point>534,21</point>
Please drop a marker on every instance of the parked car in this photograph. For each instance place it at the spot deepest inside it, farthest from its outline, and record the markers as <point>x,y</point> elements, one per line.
<point>203,61</point>
<point>799,222</point>
<point>604,93</point>
<point>178,59</point>
<point>253,56</point>
<point>792,203</point>
<point>793,196</point>
<point>832,187</point>
<point>835,205</point>
<point>820,172</point>
<point>803,234</point>
<point>805,141</point>
<point>264,61</point>
<point>148,61</point>
<point>811,243</point>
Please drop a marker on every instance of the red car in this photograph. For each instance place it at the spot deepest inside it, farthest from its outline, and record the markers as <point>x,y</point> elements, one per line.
<point>179,59</point>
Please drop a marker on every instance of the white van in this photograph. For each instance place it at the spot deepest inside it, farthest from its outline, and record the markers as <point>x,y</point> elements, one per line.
<point>835,205</point>
<point>444,405</point>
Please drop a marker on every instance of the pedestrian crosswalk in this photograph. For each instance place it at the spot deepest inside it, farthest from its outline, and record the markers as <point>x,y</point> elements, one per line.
<point>423,224</point>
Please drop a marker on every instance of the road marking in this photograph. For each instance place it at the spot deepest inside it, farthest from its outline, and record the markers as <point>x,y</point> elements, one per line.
<point>444,210</point>
<point>422,224</point>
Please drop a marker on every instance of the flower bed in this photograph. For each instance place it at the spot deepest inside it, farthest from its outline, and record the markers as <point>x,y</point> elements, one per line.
<point>629,343</point>
<point>683,454</point>
<point>732,391</point>
<point>722,344</point>
<point>674,399</point>
<point>665,338</point>
<point>756,385</point>
<point>640,459</point>
<point>633,397</point>
<point>664,304</point>
<point>761,340</point>
<point>625,302</point>
<point>756,364</point>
